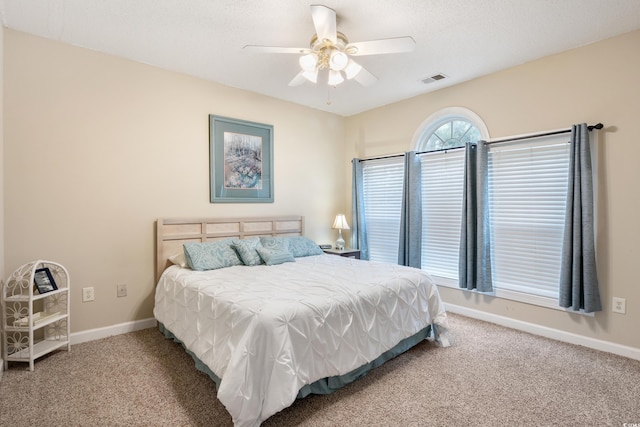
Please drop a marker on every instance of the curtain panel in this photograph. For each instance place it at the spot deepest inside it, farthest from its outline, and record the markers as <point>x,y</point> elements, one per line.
<point>410,245</point>
<point>578,276</point>
<point>474,268</point>
<point>358,238</point>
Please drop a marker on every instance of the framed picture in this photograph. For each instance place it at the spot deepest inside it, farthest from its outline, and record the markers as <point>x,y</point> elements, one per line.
<point>44,280</point>
<point>240,161</point>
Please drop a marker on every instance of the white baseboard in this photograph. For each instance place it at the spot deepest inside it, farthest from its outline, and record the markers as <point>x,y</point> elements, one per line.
<point>108,331</point>
<point>532,328</point>
<point>556,334</point>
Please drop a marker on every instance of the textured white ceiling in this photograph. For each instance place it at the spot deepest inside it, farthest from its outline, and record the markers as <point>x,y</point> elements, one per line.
<point>462,39</point>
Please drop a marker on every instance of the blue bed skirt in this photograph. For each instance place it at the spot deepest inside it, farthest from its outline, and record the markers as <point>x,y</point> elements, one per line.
<point>329,384</point>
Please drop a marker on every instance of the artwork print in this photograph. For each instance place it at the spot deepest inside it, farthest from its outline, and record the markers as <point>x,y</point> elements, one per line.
<point>242,161</point>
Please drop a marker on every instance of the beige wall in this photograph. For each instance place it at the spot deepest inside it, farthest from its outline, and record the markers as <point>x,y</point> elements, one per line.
<point>595,83</point>
<point>98,147</point>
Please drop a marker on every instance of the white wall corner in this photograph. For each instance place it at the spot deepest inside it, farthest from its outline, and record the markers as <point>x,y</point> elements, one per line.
<point>556,334</point>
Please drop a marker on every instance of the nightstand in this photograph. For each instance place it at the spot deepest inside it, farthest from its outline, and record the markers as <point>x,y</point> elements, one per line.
<point>347,253</point>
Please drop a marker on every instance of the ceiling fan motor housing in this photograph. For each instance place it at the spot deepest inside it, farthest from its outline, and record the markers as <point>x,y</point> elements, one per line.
<point>328,54</point>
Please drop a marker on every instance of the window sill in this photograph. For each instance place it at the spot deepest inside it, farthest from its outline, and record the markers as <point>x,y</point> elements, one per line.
<point>537,300</point>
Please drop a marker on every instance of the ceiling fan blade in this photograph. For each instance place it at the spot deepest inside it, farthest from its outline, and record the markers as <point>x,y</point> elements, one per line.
<point>298,79</point>
<point>365,78</point>
<point>276,49</point>
<point>377,47</point>
<point>303,76</point>
<point>324,19</point>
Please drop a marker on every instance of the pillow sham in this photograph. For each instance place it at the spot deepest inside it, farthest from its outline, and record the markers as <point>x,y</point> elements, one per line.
<point>211,255</point>
<point>301,246</point>
<point>279,243</point>
<point>180,260</point>
<point>247,250</point>
<point>275,256</point>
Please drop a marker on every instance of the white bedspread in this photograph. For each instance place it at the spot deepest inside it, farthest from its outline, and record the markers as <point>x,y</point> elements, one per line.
<point>268,331</point>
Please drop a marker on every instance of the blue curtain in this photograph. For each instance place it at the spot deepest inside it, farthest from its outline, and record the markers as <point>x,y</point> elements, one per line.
<point>410,247</point>
<point>474,268</point>
<point>578,278</point>
<point>358,237</point>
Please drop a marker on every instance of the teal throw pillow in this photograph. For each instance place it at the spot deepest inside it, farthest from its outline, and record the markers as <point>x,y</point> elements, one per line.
<point>211,255</point>
<point>301,246</point>
<point>247,250</point>
<point>275,256</point>
<point>279,243</point>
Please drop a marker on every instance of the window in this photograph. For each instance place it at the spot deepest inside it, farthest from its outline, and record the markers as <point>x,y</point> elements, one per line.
<point>442,184</point>
<point>527,199</point>
<point>382,182</point>
<point>449,128</point>
<point>451,133</point>
<point>527,195</point>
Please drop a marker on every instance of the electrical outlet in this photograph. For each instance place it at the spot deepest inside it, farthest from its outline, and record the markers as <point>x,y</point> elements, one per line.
<point>122,290</point>
<point>87,294</point>
<point>619,305</point>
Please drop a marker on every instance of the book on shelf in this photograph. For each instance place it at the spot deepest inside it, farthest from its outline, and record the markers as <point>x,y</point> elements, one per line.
<point>36,318</point>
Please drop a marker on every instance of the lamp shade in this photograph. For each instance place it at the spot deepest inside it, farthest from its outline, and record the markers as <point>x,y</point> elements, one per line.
<point>335,78</point>
<point>338,60</point>
<point>340,223</point>
<point>308,62</point>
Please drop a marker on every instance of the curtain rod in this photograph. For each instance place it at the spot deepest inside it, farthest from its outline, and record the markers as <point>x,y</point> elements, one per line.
<point>507,139</point>
<point>541,134</point>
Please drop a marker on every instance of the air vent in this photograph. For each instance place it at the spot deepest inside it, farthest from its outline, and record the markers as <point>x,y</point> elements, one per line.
<point>434,78</point>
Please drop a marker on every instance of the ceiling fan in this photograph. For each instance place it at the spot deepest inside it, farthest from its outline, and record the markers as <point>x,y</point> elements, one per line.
<point>330,50</point>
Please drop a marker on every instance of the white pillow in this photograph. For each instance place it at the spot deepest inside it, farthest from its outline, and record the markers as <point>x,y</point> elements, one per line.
<point>179,259</point>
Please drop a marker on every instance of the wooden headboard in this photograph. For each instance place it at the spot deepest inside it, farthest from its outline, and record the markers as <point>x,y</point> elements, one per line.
<point>172,233</point>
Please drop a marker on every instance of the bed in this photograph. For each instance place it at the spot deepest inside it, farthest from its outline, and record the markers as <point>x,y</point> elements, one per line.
<point>268,334</point>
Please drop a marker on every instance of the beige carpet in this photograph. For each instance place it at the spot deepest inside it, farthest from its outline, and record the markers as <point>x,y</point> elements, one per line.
<point>491,376</point>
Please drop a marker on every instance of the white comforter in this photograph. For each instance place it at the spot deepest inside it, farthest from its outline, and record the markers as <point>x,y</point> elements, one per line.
<point>268,331</point>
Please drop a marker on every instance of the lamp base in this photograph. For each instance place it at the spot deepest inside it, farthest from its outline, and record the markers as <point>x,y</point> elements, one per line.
<point>340,241</point>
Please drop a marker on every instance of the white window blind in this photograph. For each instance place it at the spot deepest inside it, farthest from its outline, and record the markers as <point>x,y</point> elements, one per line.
<point>382,187</point>
<point>527,196</point>
<point>442,182</point>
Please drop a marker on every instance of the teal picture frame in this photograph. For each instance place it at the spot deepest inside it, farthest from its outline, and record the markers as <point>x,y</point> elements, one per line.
<point>240,161</point>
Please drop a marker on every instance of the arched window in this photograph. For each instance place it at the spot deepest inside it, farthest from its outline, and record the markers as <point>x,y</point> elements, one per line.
<point>449,128</point>
<point>442,183</point>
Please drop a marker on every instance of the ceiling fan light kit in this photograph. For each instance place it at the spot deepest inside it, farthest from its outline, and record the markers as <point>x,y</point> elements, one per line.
<point>308,62</point>
<point>338,60</point>
<point>335,78</point>
<point>330,50</point>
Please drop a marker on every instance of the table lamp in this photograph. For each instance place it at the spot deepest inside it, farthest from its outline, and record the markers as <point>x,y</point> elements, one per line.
<point>340,224</point>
